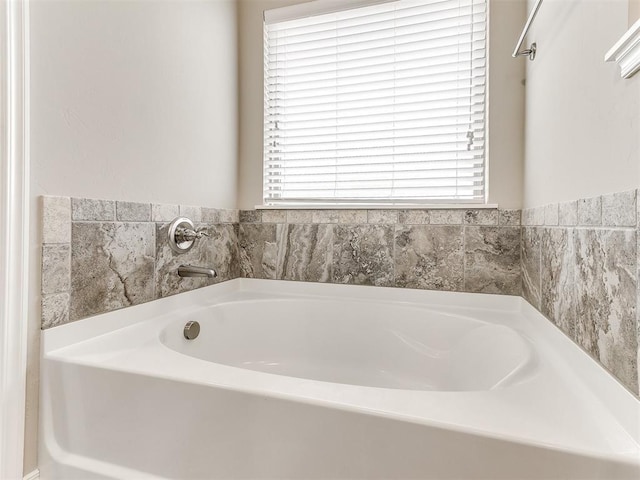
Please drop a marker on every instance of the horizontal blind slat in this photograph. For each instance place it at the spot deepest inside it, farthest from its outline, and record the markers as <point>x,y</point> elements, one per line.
<point>454,165</point>
<point>383,125</point>
<point>319,178</point>
<point>384,97</point>
<point>431,156</point>
<point>341,139</point>
<point>403,111</point>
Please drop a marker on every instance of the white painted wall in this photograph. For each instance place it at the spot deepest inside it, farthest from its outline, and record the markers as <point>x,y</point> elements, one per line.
<point>133,100</point>
<point>582,119</point>
<point>506,93</point>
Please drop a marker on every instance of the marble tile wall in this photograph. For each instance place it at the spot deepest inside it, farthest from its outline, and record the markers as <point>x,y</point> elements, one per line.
<point>455,250</point>
<point>102,255</point>
<point>580,264</point>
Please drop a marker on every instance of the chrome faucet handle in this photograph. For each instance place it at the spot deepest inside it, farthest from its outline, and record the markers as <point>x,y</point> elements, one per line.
<point>189,234</point>
<point>202,232</point>
<point>183,234</point>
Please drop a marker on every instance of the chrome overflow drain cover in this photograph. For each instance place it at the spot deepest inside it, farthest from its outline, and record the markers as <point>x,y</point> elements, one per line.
<point>191,330</point>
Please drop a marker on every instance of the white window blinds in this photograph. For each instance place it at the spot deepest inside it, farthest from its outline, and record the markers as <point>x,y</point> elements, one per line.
<point>380,103</point>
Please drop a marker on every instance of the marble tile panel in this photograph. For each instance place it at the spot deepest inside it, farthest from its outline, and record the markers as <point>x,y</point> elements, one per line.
<point>509,218</point>
<point>210,215</point>
<point>325,216</point>
<point>590,211</point>
<point>112,266</point>
<point>363,255</point>
<point>339,216</point>
<point>306,253</point>
<point>164,212</point>
<point>352,216</point>
<point>274,216</point>
<point>619,209</point>
<point>55,310</point>
<point>133,212</point>
<point>558,294</point>
<point>429,257</point>
<point>87,209</point>
<point>446,217</point>
<point>223,242</point>
<point>413,217</point>
<point>250,216</point>
<point>606,295</point>
<point>258,250</point>
<point>56,219</point>
<point>492,260</point>
<point>481,217</point>
<point>382,217</point>
<point>533,216</point>
<point>229,215</point>
<point>193,213</point>
<point>568,213</point>
<point>551,214</point>
<point>56,268</point>
<point>537,216</point>
<point>531,258</point>
<point>299,216</point>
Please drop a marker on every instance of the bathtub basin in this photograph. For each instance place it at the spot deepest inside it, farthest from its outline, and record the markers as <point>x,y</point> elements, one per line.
<point>371,344</point>
<point>295,380</point>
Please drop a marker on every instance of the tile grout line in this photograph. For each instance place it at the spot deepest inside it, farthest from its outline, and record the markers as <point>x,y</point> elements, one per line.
<point>464,258</point>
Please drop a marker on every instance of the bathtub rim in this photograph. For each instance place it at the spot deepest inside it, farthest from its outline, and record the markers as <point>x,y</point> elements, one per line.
<point>620,403</point>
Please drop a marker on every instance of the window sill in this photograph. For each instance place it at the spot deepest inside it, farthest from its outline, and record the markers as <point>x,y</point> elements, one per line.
<point>381,206</point>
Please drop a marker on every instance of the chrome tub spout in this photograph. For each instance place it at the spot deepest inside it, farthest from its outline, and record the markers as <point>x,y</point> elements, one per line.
<point>191,271</point>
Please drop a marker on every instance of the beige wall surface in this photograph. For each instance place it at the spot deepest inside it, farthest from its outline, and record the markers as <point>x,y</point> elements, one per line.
<point>634,11</point>
<point>131,100</point>
<point>582,129</point>
<point>506,101</point>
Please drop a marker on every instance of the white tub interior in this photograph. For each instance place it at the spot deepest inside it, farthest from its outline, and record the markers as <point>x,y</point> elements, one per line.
<point>371,344</point>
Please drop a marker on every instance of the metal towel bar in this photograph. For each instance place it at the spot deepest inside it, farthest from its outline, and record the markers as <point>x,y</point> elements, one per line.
<point>531,51</point>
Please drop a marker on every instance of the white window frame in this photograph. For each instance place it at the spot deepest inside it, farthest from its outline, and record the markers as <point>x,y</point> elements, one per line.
<point>316,7</point>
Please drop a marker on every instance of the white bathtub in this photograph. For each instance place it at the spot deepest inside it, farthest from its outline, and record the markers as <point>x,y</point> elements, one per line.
<point>296,380</point>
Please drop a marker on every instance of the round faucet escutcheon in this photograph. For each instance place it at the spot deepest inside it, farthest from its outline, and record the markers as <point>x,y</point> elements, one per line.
<point>191,330</point>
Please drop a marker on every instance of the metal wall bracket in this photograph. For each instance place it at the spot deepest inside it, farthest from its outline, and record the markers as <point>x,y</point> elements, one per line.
<point>530,52</point>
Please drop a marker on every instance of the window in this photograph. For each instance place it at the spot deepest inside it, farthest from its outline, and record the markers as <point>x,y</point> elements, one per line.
<point>383,102</point>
